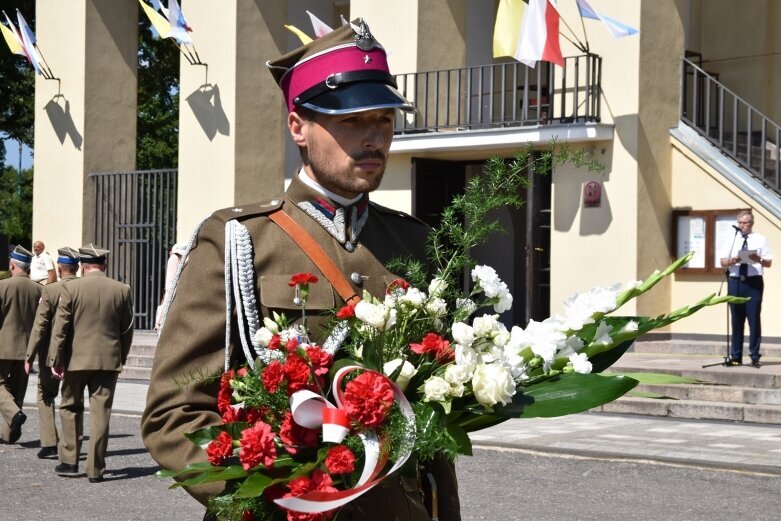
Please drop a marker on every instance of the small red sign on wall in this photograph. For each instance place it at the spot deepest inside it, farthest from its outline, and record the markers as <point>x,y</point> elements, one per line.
<point>592,194</point>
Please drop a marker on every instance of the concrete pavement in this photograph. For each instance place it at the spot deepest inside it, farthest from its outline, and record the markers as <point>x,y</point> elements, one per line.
<point>717,444</point>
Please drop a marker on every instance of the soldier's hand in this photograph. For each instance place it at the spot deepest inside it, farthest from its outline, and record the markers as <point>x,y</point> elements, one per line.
<point>58,372</point>
<point>27,367</point>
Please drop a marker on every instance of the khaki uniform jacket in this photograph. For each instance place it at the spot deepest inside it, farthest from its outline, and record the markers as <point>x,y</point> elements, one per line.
<point>93,327</point>
<point>193,336</point>
<point>18,301</point>
<point>44,319</point>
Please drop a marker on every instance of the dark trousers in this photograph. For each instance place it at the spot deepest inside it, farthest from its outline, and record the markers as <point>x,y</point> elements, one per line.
<point>750,287</point>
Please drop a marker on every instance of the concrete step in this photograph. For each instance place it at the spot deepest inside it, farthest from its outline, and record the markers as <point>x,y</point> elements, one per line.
<point>695,409</point>
<point>136,373</point>
<point>716,393</point>
<point>140,360</point>
<point>695,347</point>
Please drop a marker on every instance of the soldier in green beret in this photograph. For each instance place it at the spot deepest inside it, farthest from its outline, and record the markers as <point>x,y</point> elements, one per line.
<point>342,103</point>
<point>19,297</point>
<point>48,385</point>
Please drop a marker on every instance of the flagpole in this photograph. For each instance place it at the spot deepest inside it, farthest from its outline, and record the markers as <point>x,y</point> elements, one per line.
<point>48,69</point>
<point>585,34</point>
<point>579,45</point>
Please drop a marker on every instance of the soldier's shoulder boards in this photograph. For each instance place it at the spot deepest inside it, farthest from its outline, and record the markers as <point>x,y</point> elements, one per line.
<point>245,211</point>
<point>396,213</point>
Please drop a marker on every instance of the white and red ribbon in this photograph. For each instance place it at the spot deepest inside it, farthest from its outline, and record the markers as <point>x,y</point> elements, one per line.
<point>312,411</point>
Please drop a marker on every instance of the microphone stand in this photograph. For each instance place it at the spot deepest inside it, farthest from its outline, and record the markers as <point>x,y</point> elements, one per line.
<point>727,358</point>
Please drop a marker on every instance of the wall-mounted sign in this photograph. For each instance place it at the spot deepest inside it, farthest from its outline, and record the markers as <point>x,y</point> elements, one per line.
<point>592,194</point>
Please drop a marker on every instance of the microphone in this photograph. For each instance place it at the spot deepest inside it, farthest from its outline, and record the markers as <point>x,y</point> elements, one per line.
<point>737,228</point>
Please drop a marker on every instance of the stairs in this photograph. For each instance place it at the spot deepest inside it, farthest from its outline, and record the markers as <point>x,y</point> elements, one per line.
<point>743,393</point>
<point>142,352</point>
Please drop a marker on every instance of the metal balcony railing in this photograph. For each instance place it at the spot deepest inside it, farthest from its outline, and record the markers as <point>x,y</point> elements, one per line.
<point>739,130</point>
<point>502,95</point>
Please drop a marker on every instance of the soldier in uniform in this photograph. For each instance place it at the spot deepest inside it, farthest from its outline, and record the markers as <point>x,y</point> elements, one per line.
<point>19,297</point>
<point>343,125</point>
<point>48,385</point>
<point>91,338</point>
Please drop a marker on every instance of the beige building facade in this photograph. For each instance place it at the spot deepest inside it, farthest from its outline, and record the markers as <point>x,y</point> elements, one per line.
<point>233,147</point>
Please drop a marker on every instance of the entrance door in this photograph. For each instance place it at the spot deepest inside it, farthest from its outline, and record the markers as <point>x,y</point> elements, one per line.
<point>521,256</point>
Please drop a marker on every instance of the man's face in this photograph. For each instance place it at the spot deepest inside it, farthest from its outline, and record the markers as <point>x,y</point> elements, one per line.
<point>38,247</point>
<point>745,223</point>
<point>347,153</point>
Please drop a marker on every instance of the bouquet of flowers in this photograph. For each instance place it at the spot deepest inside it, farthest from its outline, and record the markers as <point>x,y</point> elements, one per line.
<point>308,428</point>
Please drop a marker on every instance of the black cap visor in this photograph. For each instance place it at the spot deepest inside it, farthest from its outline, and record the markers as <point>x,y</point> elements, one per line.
<point>358,97</point>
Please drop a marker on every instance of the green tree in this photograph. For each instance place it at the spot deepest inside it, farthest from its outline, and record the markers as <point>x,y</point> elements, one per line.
<point>158,100</point>
<point>16,210</point>
<point>18,82</point>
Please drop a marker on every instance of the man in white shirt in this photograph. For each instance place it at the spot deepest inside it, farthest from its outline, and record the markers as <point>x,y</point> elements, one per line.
<point>42,265</point>
<point>746,260</point>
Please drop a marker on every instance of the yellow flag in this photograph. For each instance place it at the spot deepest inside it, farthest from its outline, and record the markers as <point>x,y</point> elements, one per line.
<point>161,25</point>
<point>298,32</point>
<point>508,27</point>
<point>11,40</point>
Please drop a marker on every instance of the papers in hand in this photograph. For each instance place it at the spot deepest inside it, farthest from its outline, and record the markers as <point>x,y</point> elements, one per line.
<point>745,256</point>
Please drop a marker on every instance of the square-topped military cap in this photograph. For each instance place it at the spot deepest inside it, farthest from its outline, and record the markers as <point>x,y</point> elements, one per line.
<point>342,72</point>
<point>22,254</point>
<point>67,255</point>
<point>91,254</point>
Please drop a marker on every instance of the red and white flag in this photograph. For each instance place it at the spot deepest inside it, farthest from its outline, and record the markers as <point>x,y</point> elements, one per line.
<point>539,38</point>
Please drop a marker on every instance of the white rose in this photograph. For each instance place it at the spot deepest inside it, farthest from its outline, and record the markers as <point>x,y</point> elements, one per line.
<point>407,372</point>
<point>263,336</point>
<point>457,374</point>
<point>485,326</point>
<point>465,356</point>
<point>436,307</point>
<point>492,384</point>
<point>391,320</point>
<point>580,363</point>
<point>463,334</point>
<point>374,315</point>
<point>414,298</point>
<point>436,389</point>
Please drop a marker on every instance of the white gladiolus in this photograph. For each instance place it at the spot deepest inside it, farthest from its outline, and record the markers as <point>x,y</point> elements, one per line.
<point>465,356</point>
<point>437,287</point>
<point>580,363</point>
<point>492,385</point>
<point>407,372</point>
<point>270,325</point>
<point>436,389</point>
<point>486,326</point>
<point>602,335</point>
<point>630,327</point>
<point>542,337</point>
<point>505,301</point>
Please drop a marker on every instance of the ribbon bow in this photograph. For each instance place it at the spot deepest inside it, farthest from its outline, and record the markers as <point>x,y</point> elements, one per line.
<point>313,411</point>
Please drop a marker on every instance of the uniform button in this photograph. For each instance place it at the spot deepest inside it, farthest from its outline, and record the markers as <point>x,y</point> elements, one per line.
<point>356,278</point>
<point>349,246</point>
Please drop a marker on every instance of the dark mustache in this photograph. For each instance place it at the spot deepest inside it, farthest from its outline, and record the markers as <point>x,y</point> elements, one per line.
<point>369,154</point>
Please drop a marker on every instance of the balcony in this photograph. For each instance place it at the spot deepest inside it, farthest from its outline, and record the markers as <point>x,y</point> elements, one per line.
<point>502,96</point>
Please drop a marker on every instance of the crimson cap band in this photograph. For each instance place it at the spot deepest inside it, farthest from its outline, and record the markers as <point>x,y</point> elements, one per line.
<point>342,72</point>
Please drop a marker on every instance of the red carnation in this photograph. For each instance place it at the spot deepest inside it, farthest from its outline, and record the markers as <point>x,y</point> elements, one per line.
<point>297,372</point>
<point>346,311</point>
<point>275,342</point>
<point>242,372</point>
<point>233,415</point>
<point>302,278</point>
<point>257,446</point>
<point>292,344</point>
<point>340,460</point>
<point>255,415</point>
<point>396,284</point>
<point>295,436</point>
<point>436,345</point>
<point>368,399</point>
<point>320,360</point>
<point>272,376</point>
<point>220,448</point>
<point>225,392</point>
<point>247,515</point>
<point>321,482</point>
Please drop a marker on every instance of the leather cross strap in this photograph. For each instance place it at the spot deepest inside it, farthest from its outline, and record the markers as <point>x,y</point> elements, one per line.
<point>317,255</point>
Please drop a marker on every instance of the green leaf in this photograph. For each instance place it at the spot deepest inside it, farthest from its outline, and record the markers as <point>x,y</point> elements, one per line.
<point>462,438</point>
<point>573,393</point>
<point>658,378</point>
<point>254,485</point>
<point>226,474</point>
<point>601,361</point>
<point>189,469</point>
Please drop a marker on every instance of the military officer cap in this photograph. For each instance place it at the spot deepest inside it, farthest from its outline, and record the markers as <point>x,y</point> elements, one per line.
<point>68,255</point>
<point>342,72</point>
<point>22,254</point>
<point>91,254</point>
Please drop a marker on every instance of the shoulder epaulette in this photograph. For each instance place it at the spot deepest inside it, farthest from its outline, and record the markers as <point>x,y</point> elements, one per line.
<point>245,211</point>
<point>397,213</point>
